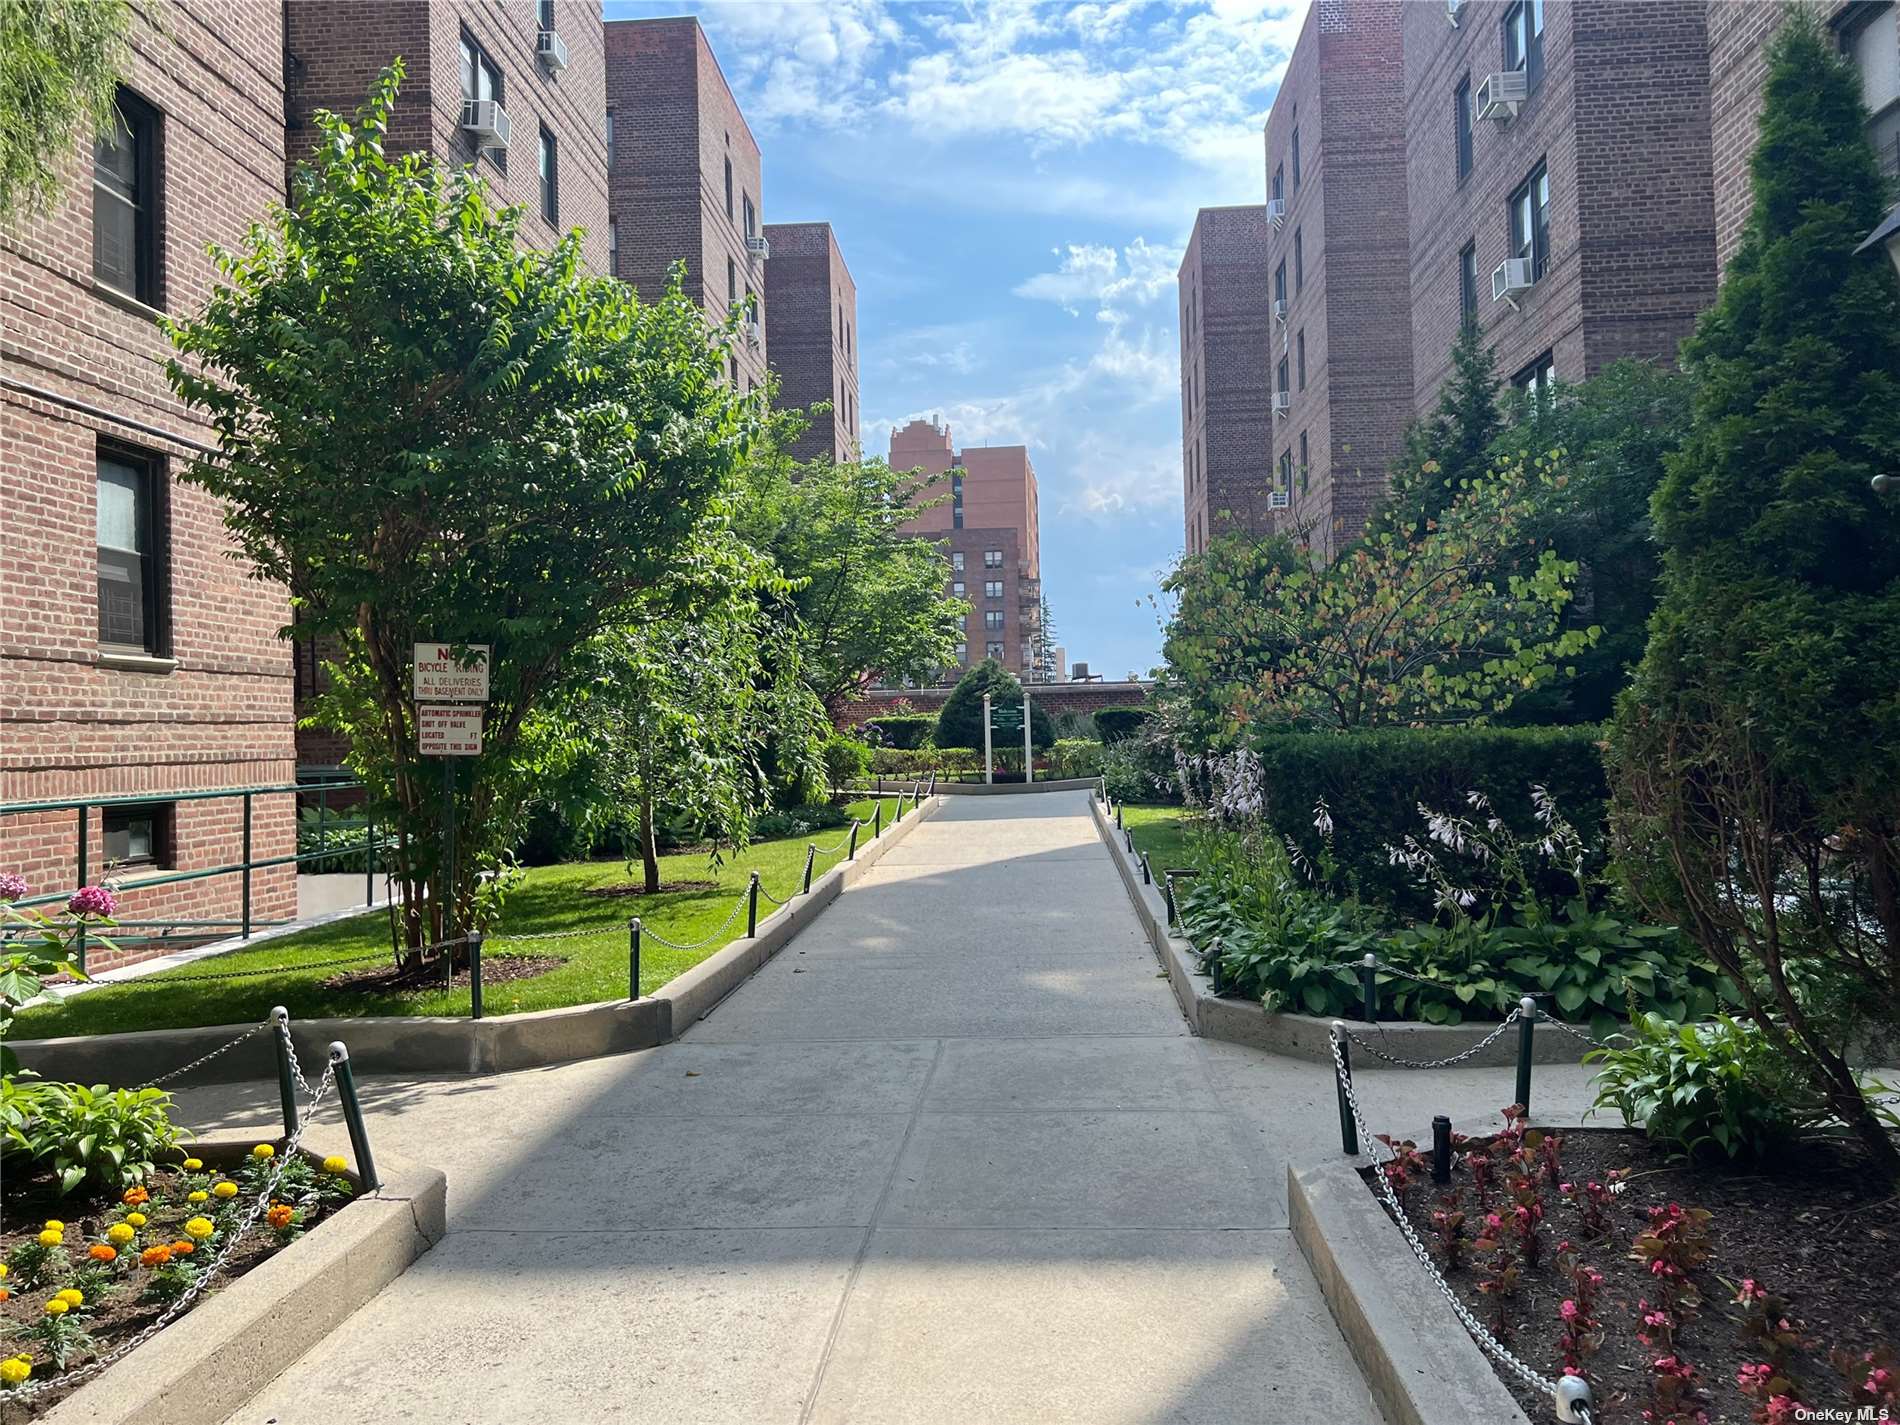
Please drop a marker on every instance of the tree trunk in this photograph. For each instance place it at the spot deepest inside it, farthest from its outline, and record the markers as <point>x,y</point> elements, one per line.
<point>649,854</point>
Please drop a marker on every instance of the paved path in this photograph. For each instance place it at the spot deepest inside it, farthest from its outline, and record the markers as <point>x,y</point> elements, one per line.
<point>951,1157</point>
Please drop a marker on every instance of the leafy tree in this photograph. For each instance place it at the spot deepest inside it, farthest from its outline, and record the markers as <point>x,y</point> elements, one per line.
<point>1756,758</point>
<point>427,433</point>
<point>960,723</point>
<point>863,599</point>
<point>1447,449</point>
<point>1220,637</point>
<point>59,78</point>
<point>1610,434</point>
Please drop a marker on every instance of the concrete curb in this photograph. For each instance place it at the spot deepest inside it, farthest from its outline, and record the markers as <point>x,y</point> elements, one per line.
<point>218,1355</point>
<point>443,1045</point>
<point>1298,1036</point>
<point>1017,789</point>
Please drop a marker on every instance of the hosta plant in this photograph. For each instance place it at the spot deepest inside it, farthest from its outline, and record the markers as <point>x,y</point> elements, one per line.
<point>107,1137</point>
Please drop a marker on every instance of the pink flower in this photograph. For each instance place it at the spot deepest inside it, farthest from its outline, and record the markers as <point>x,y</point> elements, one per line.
<point>1568,1311</point>
<point>92,900</point>
<point>1750,1291</point>
<point>12,887</point>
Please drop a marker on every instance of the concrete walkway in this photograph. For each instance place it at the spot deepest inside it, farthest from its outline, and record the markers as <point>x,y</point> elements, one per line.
<point>952,1157</point>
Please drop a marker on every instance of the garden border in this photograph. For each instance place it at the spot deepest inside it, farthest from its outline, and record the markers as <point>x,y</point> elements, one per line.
<point>217,1356</point>
<point>440,1044</point>
<point>1297,1036</point>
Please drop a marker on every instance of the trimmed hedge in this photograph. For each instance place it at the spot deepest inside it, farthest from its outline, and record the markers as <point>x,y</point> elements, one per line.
<point>1373,782</point>
<point>904,730</point>
<point>1113,724</point>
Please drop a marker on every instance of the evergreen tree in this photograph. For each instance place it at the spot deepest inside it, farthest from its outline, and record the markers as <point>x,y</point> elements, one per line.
<point>1450,447</point>
<point>960,724</point>
<point>1757,755</point>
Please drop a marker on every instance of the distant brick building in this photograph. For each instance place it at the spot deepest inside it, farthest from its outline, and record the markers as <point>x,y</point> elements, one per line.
<point>1576,224</point>
<point>990,530</point>
<point>685,181</point>
<point>814,306</point>
<point>136,659</point>
<point>1226,362</point>
<point>1336,197</point>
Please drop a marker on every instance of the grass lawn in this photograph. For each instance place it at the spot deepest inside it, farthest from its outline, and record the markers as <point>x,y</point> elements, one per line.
<point>548,898</point>
<point>1160,831</point>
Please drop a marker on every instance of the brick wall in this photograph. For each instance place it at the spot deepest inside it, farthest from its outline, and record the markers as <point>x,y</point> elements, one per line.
<point>82,371</point>
<point>1226,336</point>
<point>1053,697</point>
<point>814,306</point>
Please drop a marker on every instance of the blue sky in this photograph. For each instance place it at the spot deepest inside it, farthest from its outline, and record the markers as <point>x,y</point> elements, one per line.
<point>1012,186</point>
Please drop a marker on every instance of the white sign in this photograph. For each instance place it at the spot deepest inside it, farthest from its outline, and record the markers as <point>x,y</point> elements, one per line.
<point>440,678</point>
<point>443,730</point>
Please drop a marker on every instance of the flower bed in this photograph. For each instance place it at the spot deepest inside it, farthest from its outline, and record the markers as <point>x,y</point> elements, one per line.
<point>1683,1294</point>
<point>88,1271</point>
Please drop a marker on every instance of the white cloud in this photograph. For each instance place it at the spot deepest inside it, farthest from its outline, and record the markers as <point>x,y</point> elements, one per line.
<point>1094,273</point>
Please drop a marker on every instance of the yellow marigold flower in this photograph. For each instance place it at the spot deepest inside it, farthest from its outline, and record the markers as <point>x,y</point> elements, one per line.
<point>15,1370</point>
<point>336,1165</point>
<point>72,1296</point>
<point>58,1306</point>
<point>263,1150</point>
<point>53,1224</point>
<point>193,1164</point>
<point>50,1238</point>
<point>200,1196</point>
<point>3,1269</point>
<point>137,1219</point>
<point>224,1189</point>
<point>120,1233</point>
<point>200,1228</point>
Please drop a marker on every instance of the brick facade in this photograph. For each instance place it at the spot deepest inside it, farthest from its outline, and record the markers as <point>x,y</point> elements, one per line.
<point>814,306</point>
<point>1051,697</point>
<point>678,132</point>
<point>1226,318</point>
<point>208,705</point>
<point>992,521</point>
<point>1620,123</point>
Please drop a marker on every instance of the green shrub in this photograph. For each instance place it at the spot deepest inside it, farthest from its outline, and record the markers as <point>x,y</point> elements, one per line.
<point>905,730</point>
<point>960,724</point>
<point>1374,781</point>
<point>1114,724</point>
<point>342,837</point>
<point>846,760</point>
<point>797,821</point>
<point>99,1135</point>
<point>1075,757</point>
<point>1139,770</point>
<point>922,761</point>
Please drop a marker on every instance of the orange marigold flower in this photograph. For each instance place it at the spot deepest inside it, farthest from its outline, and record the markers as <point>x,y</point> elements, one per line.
<point>155,1256</point>
<point>279,1216</point>
<point>101,1252</point>
<point>135,1196</point>
<point>184,1247</point>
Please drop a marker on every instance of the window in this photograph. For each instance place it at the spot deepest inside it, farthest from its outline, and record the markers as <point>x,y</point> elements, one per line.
<point>546,8</point>
<point>1538,376</point>
<point>732,283</point>
<point>137,835</point>
<point>728,190</point>
<point>1468,284</point>
<point>610,138</point>
<point>963,652</point>
<point>994,650</point>
<point>1285,481</point>
<point>992,559</point>
<point>956,588</point>
<point>1524,40</point>
<point>732,366</point>
<point>550,178</point>
<point>1284,384</point>
<point>1530,221</point>
<point>992,619</point>
<point>1300,346</point>
<point>613,246</point>
<point>1299,262</point>
<point>1461,124</point>
<point>751,305</point>
<point>481,81</point>
<point>1296,158</point>
<point>1305,469</point>
<point>1279,281</point>
<point>956,560</point>
<point>1279,181</point>
<point>751,216</point>
<point>1871,38</point>
<point>992,588</point>
<point>129,559</point>
<point>125,202</point>
<point>956,507</point>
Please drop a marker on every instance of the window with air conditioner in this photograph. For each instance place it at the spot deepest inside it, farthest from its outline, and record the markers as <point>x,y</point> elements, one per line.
<point>1530,221</point>
<point>1279,182</point>
<point>484,112</point>
<point>751,216</point>
<point>956,560</point>
<point>125,227</point>
<point>131,552</point>
<point>1461,125</point>
<point>1283,385</point>
<point>1524,40</point>
<point>994,650</point>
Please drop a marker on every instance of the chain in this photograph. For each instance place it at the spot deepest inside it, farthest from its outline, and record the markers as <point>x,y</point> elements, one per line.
<point>843,841</point>
<point>1574,1032</point>
<point>737,906</point>
<point>211,1268</point>
<point>207,1058</point>
<point>580,934</point>
<point>774,899</point>
<point>1472,1052</point>
<point>1497,1349</point>
<point>290,1053</point>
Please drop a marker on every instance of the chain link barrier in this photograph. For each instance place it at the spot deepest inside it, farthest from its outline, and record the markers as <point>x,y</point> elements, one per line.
<point>774,899</point>
<point>650,933</point>
<point>1459,1058</point>
<point>241,1229</point>
<point>226,1048</point>
<point>856,825</point>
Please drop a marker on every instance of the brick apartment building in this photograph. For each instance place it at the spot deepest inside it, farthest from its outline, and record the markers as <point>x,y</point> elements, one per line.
<point>814,306</point>
<point>136,659</point>
<point>1226,388</point>
<point>1336,207</point>
<point>989,528</point>
<point>1575,224</point>
<point>685,178</point>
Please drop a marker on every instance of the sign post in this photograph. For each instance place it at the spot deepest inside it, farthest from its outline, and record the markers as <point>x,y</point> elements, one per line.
<point>986,739</point>
<point>449,693</point>
<point>1029,757</point>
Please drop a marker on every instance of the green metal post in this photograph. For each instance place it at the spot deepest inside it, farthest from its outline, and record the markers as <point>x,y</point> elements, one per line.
<point>1147,875</point>
<point>369,863</point>
<point>1526,1028</point>
<point>1348,1134</point>
<point>1213,962</point>
<point>633,958</point>
<point>1441,1150</point>
<point>752,906</point>
<point>852,854</point>
<point>353,1116</point>
<point>474,975</point>
<point>811,854</point>
<point>286,1088</point>
<point>323,823</point>
<point>1369,988</point>
<point>1118,818</point>
<point>247,865</point>
<point>877,819</point>
<point>79,943</point>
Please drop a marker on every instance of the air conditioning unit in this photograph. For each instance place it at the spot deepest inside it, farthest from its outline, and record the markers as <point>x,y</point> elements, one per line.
<point>551,50</point>
<point>1282,402</point>
<point>1501,94</point>
<point>1279,499</point>
<point>1279,310</point>
<point>1276,211</point>
<point>758,247</point>
<point>486,121</point>
<point>752,337</point>
<point>1510,277</point>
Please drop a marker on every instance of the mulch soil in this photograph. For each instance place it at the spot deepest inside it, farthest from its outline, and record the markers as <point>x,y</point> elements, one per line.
<point>496,970</point>
<point>111,1316</point>
<point>634,888</point>
<point>1813,1227</point>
